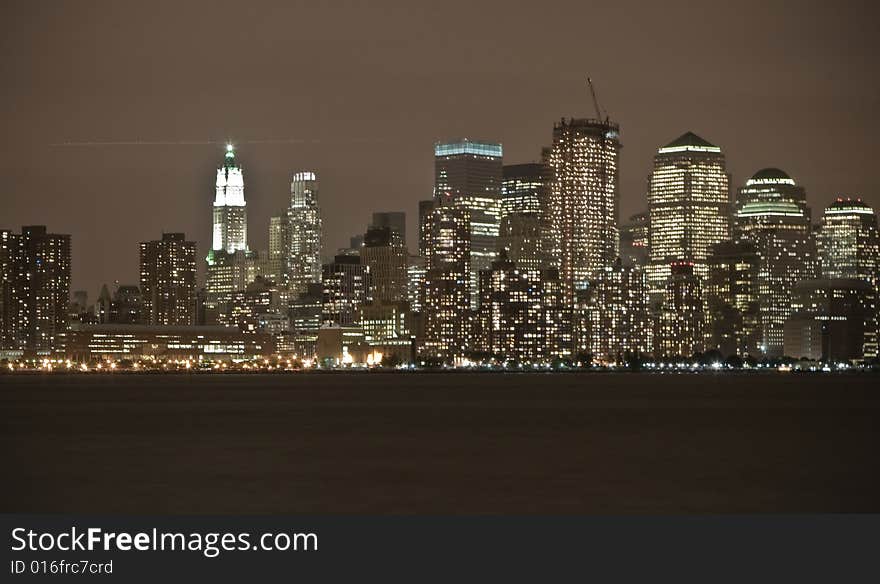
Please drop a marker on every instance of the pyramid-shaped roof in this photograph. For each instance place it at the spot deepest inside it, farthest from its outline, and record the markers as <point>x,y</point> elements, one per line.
<point>690,139</point>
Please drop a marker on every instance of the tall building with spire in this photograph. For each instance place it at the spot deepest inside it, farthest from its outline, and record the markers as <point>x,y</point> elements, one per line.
<point>583,200</point>
<point>689,207</point>
<point>230,209</point>
<point>230,264</point>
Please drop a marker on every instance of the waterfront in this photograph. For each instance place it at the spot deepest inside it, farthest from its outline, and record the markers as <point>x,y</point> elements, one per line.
<point>440,443</point>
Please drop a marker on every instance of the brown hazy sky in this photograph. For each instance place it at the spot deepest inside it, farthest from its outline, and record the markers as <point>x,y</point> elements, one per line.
<point>359,91</point>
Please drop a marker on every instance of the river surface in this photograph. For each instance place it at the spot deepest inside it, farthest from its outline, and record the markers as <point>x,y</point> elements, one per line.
<point>440,443</point>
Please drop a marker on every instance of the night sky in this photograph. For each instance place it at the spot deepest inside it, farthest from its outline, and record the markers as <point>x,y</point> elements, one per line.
<point>359,91</point>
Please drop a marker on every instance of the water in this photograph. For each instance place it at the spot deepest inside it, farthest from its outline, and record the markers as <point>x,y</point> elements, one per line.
<point>440,443</point>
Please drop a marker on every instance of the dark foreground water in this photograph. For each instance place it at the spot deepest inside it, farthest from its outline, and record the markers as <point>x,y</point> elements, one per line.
<point>440,443</point>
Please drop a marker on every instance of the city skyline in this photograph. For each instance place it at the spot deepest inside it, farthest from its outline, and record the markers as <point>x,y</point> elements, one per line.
<point>767,98</point>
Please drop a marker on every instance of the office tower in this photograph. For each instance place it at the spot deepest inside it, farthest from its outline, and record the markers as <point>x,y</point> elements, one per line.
<point>168,280</point>
<point>127,306</point>
<point>618,323</point>
<point>304,312</point>
<point>634,240</point>
<point>279,247</point>
<point>772,213</point>
<point>848,241</point>
<point>387,329</point>
<point>254,308</point>
<point>9,267</point>
<point>688,206</point>
<point>35,288</point>
<point>523,238</point>
<point>522,231</point>
<point>447,294</point>
<point>385,256</point>
<point>849,247</point>
<point>522,189</point>
<point>832,320</point>
<point>230,264</point>
<point>230,209</point>
<point>518,317</point>
<point>583,199</point>
<point>305,232</point>
<point>731,299</point>
<point>425,208</point>
<point>678,330</point>
<point>467,175</point>
<point>415,279</point>
<point>346,288</point>
<point>394,220</point>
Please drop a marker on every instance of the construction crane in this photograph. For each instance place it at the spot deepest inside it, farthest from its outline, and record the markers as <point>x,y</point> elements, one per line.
<point>596,101</point>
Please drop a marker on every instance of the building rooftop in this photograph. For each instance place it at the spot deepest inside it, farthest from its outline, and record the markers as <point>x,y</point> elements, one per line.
<point>689,142</point>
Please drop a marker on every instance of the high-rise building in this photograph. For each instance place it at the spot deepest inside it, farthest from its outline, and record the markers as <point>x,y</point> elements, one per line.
<point>848,241</point>
<point>384,253</point>
<point>447,293</point>
<point>230,209</point>
<point>634,240</point>
<point>689,207</point>
<point>168,280</point>
<point>35,288</point>
<point>731,299</point>
<point>832,320</point>
<point>772,213</point>
<point>305,232</point>
<point>425,209</point>
<point>523,237</point>
<point>518,316</point>
<point>346,288</point>
<point>522,189</point>
<point>415,280</point>
<point>618,317</point>
<point>394,220</point>
<point>849,247</point>
<point>127,306</point>
<point>279,247</point>
<point>678,327</point>
<point>468,176</point>
<point>583,200</point>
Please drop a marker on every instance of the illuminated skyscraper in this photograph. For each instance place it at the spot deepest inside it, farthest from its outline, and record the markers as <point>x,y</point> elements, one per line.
<point>346,288</point>
<point>168,280</point>
<point>634,240</point>
<point>385,256</point>
<point>849,247</point>
<point>447,295</point>
<point>689,207</point>
<point>467,175</point>
<point>772,213</point>
<point>230,264</point>
<point>35,288</point>
<point>518,316</point>
<point>583,200</point>
<point>522,189</point>
<point>678,330</point>
<point>618,318</point>
<point>848,241</point>
<point>731,299</point>
<point>305,232</point>
<point>230,209</point>
<point>523,230</point>
<point>832,320</point>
